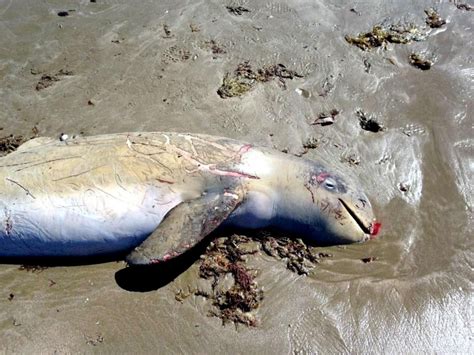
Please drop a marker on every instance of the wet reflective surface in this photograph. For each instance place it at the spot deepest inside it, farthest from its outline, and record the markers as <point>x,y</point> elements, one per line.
<point>152,67</point>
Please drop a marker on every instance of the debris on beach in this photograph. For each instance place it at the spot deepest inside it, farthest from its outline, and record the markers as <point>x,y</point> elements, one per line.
<point>368,259</point>
<point>303,92</point>
<point>167,31</point>
<point>465,7</point>
<point>63,13</point>
<point>94,341</point>
<point>311,143</point>
<point>47,80</point>
<point>433,18</point>
<point>10,143</point>
<point>237,10</point>
<point>245,78</point>
<point>326,118</point>
<point>327,87</point>
<point>420,62</point>
<point>352,159</point>
<point>367,65</point>
<point>368,123</point>
<point>381,35</point>
<point>227,257</point>
<point>404,187</point>
<point>300,257</point>
<point>215,47</point>
<point>33,268</point>
<point>175,54</point>
<point>194,28</point>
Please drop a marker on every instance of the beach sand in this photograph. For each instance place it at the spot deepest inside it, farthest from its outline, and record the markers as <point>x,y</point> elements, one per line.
<point>121,66</point>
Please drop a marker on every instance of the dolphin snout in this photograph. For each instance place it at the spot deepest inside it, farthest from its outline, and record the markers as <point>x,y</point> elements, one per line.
<point>361,212</point>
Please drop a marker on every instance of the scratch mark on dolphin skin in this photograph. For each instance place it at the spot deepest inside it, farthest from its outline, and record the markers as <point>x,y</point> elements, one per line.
<point>211,168</point>
<point>244,149</point>
<point>167,139</point>
<point>165,181</point>
<point>310,191</point>
<point>189,137</point>
<point>193,159</point>
<point>324,205</point>
<point>119,181</point>
<point>22,187</point>
<point>17,164</point>
<point>48,161</point>
<point>78,174</point>
<point>149,155</point>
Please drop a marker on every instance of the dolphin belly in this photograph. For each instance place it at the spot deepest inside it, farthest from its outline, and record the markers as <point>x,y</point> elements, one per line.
<point>83,224</point>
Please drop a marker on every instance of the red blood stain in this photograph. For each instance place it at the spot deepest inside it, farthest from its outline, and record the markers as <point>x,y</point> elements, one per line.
<point>375,229</point>
<point>320,177</point>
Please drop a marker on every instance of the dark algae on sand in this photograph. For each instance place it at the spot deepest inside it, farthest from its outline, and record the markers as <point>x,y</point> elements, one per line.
<point>381,35</point>
<point>227,256</point>
<point>433,19</point>
<point>368,123</point>
<point>418,61</point>
<point>245,78</point>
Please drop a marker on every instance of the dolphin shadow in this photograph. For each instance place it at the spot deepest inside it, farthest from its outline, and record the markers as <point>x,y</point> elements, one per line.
<point>146,278</point>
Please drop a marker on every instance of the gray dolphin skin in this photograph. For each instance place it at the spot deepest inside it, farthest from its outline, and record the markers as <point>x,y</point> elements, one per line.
<point>158,194</point>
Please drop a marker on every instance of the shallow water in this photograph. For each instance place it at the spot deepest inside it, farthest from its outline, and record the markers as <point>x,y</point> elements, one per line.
<point>417,295</point>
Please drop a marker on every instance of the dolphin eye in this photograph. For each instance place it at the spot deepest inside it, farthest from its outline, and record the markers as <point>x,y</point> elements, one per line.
<point>329,184</point>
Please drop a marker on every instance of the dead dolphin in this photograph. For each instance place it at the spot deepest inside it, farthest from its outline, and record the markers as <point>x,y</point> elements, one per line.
<point>161,193</point>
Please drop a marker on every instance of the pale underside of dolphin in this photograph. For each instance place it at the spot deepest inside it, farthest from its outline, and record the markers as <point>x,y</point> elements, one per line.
<point>158,194</point>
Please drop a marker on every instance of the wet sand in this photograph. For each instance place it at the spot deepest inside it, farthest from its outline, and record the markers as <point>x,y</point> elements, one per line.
<point>124,67</point>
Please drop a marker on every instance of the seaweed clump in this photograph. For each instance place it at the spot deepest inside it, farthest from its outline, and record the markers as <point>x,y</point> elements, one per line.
<point>32,268</point>
<point>420,62</point>
<point>326,118</point>
<point>368,123</point>
<point>300,257</point>
<point>433,19</point>
<point>245,78</point>
<point>237,10</point>
<point>10,143</point>
<point>226,256</point>
<point>380,36</point>
<point>465,7</point>
<point>48,80</point>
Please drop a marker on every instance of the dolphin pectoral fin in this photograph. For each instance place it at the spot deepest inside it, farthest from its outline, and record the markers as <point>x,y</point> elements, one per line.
<point>183,227</point>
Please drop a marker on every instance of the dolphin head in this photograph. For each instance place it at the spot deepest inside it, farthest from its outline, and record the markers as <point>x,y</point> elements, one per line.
<point>322,206</point>
<point>304,198</point>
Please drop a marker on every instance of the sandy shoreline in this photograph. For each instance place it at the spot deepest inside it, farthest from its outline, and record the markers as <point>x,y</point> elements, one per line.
<point>122,67</point>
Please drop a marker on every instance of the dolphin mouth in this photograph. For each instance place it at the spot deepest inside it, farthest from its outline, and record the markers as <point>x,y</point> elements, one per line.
<point>371,229</point>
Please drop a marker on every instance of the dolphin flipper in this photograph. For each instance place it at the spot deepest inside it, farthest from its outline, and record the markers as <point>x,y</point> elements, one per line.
<point>184,226</point>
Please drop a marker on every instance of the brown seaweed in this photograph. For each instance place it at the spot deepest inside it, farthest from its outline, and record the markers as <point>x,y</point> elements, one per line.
<point>433,19</point>
<point>368,123</point>
<point>227,256</point>
<point>380,36</point>
<point>237,10</point>
<point>245,78</point>
<point>420,62</point>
